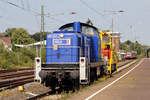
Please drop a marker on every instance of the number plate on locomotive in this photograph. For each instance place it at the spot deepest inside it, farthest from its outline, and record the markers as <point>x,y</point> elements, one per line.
<point>61,41</point>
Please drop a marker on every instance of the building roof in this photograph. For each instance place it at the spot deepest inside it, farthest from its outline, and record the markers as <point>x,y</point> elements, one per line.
<point>6,40</point>
<point>114,34</point>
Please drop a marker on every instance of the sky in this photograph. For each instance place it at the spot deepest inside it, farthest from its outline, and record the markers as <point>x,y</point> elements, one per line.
<point>133,23</point>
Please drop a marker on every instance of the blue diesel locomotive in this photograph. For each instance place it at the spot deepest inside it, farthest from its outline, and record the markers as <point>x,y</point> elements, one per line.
<point>73,56</point>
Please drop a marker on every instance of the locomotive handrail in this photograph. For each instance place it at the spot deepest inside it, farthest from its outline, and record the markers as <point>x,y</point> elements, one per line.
<point>80,55</point>
<point>65,46</point>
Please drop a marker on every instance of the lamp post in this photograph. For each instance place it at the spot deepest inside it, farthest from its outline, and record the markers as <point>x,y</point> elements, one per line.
<point>113,13</point>
<point>43,24</point>
<point>115,36</point>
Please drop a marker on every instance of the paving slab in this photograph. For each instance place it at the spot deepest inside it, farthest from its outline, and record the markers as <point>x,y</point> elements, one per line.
<point>133,86</point>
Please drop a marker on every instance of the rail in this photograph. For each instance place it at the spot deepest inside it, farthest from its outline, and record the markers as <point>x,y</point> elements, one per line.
<point>15,77</point>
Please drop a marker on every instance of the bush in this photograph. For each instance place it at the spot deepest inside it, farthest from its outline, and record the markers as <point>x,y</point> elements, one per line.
<point>21,57</point>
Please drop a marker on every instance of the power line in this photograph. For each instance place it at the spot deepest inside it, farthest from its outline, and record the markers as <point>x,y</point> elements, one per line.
<point>93,9</point>
<point>48,15</point>
<point>86,4</point>
<point>22,3</point>
<point>56,19</point>
<point>58,14</point>
<point>30,10</point>
<point>15,5</point>
<point>28,4</point>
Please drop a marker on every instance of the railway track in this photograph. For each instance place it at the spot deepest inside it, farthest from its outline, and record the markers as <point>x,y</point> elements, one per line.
<point>50,92</point>
<point>15,77</point>
<point>15,70</point>
<point>124,63</point>
<point>33,91</point>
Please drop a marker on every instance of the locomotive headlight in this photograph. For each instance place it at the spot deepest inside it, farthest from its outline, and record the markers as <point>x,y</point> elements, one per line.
<point>61,35</point>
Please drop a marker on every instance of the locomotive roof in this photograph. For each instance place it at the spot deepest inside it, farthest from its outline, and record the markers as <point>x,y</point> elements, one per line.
<point>82,24</point>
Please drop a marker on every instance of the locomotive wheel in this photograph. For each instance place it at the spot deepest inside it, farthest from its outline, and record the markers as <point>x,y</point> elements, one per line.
<point>53,89</point>
<point>101,71</point>
<point>110,73</point>
<point>51,82</point>
<point>115,67</point>
<point>95,71</point>
<point>93,75</point>
<point>76,85</point>
<point>67,84</point>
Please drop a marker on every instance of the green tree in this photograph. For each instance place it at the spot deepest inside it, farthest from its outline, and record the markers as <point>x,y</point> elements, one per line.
<point>21,57</point>
<point>135,46</point>
<point>89,22</point>
<point>21,36</point>
<point>9,32</point>
<point>36,36</point>
<point>123,46</point>
<point>128,42</point>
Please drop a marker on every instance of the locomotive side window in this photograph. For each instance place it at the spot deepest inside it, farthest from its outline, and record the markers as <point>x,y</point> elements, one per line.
<point>87,30</point>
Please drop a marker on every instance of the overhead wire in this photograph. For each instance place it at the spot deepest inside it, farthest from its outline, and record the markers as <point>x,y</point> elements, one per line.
<point>22,3</point>
<point>50,16</point>
<point>28,4</point>
<point>29,10</point>
<point>94,10</point>
<point>86,4</point>
<point>57,19</point>
<point>18,6</point>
